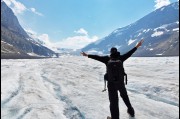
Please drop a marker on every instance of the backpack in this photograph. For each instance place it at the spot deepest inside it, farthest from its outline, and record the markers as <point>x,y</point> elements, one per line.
<point>115,72</point>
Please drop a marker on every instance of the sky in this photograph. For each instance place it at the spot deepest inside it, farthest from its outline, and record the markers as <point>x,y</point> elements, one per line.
<point>76,23</point>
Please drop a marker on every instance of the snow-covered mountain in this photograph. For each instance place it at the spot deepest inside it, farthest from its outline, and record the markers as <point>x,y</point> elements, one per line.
<point>58,51</point>
<point>13,36</point>
<point>33,38</point>
<point>160,29</point>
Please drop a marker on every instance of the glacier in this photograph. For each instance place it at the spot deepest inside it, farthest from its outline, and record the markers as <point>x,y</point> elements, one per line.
<point>70,87</point>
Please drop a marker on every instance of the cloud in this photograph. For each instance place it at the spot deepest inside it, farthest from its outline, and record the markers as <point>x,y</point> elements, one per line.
<point>19,8</point>
<point>47,42</point>
<point>34,11</point>
<point>42,37</point>
<point>45,39</point>
<point>161,3</point>
<point>76,42</point>
<point>81,31</point>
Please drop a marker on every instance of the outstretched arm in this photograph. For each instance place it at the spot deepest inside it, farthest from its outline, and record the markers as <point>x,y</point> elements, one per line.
<point>84,54</point>
<point>128,54</point>
<point>102,59</point>
<point>139,43</point>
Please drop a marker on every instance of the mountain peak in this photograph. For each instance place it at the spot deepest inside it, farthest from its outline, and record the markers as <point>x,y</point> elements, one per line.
<point>10,21</point>
<point>16,37</point>
<point>160,29</point>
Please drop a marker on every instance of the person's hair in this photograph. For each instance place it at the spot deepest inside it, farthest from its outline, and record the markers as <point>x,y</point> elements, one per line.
<point>114,53</point>
<point>113,50</point>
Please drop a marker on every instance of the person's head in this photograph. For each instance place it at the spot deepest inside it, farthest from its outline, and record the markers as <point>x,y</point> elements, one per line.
<point>114,53</point>
<point>113,50</point>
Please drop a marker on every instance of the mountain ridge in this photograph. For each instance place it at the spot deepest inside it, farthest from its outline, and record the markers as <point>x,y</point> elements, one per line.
<point>13,36</point>
<point>160,29</point>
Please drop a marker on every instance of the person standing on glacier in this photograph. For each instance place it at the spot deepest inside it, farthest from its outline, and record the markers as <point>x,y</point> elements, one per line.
<point>113,88</point>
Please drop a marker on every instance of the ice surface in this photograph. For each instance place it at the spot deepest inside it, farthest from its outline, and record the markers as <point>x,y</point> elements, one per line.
<point>70,87</point>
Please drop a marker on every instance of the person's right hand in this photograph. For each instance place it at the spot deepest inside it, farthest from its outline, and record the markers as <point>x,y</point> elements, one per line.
<point>84,54</point>
<point>139,43</point>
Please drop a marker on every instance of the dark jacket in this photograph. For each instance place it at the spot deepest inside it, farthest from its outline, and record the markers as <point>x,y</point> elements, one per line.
<point>105,59</point>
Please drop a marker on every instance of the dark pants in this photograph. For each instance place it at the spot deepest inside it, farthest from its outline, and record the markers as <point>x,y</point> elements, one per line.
<point>113,88</point>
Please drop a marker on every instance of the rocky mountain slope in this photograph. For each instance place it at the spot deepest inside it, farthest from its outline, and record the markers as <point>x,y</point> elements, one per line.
<point>13,36</point>
<point>160,29</point>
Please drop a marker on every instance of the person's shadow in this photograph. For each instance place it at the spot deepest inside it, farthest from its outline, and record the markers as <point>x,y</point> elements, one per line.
<point>132,117</point>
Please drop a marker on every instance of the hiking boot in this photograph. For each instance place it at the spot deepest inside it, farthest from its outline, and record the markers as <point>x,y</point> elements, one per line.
<point>131,112</point>
<point>109,117</point>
